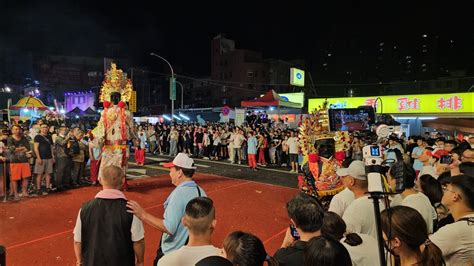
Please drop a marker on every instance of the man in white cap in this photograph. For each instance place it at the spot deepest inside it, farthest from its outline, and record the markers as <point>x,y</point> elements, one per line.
<point>359,215</point>
<point>175,234</point>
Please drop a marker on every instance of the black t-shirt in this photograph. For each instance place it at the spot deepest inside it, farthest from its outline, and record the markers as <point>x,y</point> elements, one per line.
<point>290,256</point>
<point>199,137</point>
<point>44,147</point>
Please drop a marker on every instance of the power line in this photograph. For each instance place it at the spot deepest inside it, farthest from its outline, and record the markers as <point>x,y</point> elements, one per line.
<point>223,83</point>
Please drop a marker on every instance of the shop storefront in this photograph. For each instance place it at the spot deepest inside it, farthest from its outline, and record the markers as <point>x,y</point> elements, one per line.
<point>411,110</point>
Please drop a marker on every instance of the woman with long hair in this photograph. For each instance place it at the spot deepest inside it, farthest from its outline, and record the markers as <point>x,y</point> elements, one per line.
<point>362,248</point>
<point>406,235</point>
<point>325,250</point>
<point>245,249</point>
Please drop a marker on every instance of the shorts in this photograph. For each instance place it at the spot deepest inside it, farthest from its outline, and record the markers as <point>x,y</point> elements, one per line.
<point>46,167</point>
<point>293,158</point>
<point>19,171</point>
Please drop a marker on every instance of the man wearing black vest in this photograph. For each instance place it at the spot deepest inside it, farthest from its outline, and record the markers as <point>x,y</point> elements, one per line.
<point>105,233</point>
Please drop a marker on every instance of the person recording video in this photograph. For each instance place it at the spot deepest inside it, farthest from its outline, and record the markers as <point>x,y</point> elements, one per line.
<point>401,178</point>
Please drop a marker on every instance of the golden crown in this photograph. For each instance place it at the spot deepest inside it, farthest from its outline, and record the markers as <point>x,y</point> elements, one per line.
<point>115,81</point>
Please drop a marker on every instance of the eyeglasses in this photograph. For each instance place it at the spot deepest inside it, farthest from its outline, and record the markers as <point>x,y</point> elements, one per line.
<point>445,188</point>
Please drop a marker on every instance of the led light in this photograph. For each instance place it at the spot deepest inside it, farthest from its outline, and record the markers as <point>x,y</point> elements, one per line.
<point>185,117</point>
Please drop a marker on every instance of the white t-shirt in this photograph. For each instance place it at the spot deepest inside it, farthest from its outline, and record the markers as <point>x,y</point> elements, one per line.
<point>360,218</point>
<point>396,200</point>
<point>292,143</point>
<point>341,201</point>
<point>428,170</point>
<point>422,204</point>
<point>456,241</point>
<point>238,140</point>
<point>187,255</point>
<point>365,254</point>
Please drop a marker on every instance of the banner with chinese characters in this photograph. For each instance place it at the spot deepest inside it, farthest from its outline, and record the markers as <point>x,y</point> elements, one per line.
<point>405,104</point>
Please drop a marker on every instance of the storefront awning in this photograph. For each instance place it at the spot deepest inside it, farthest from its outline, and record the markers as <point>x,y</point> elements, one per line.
<point>458,124</point>
<point>271,98</point>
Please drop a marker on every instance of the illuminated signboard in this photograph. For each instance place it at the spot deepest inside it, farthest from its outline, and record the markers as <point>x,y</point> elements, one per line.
<point>296,77</point>
<point>296,97</point>
<point>406,104</point>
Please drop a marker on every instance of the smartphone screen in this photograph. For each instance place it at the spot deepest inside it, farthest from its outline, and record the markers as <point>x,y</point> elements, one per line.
<point>446,159</point>
<point>294,233</point>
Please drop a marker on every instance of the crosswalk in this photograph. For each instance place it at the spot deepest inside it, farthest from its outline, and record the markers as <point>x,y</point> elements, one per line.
<point>162,161</point>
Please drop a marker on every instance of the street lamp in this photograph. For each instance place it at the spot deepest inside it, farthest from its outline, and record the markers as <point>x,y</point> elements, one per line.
<point>171,83</point>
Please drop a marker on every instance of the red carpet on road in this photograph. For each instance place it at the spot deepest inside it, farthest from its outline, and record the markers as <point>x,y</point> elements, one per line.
<point>38,231</point>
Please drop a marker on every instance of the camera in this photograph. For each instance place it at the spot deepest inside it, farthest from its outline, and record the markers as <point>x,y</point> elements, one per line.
<point>373,167</point>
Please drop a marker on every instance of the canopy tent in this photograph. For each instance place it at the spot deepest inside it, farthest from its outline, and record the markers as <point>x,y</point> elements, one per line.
<point>75,112</point>
<point>29,102</point>
<point>271,98</point>
<point>91,113</point>
<point>460,124</point>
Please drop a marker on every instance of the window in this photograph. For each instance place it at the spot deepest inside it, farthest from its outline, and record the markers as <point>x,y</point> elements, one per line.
<point>249,74</point>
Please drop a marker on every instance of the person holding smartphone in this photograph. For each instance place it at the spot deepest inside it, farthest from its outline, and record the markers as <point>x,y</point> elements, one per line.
<point>20,151</point>
<point>306,218</point>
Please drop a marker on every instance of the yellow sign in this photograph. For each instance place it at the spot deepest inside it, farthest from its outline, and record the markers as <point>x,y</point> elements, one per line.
<point>132,104</point>
<point>405,104</point>
<point>295,97</point>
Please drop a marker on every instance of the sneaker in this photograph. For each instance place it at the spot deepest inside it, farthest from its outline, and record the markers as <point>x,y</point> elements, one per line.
<point>240,162</point>
<point>44,193</point>
<point>291,171</point>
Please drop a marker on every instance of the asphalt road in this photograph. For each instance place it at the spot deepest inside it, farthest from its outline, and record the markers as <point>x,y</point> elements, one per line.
<point>270,175</point>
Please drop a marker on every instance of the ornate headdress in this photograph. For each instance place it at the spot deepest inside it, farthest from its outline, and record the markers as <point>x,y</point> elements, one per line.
<point>115,81</point>
<point>320,177</point>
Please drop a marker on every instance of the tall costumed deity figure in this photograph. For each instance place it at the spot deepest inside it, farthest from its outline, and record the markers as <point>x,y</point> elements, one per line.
<point>115,127</point>
<point>323,152</point>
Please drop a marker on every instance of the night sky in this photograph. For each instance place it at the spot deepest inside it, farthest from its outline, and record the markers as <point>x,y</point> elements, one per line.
<point>182,32</point>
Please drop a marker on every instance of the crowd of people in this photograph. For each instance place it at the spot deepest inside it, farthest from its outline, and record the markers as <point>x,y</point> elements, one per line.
<point>44,158</point>
<point>256,144</point>
<point>429,221</point>
<point>343,235</point>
